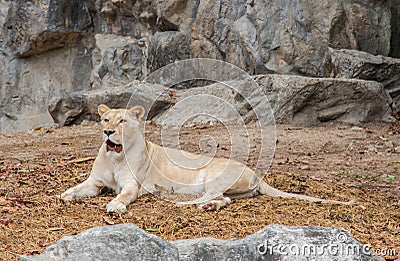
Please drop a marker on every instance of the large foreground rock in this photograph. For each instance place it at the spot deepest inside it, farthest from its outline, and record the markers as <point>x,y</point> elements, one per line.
<point>121,242</point>
<point>274,242</point>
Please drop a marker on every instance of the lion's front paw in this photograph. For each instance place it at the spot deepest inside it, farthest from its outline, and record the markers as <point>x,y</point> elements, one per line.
<point>211,206</point>
<point>68,195</point>
<point>116,206</point>
<point>215,204</point>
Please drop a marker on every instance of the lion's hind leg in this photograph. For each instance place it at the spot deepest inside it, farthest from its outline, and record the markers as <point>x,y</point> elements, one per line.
<point>215,204</point>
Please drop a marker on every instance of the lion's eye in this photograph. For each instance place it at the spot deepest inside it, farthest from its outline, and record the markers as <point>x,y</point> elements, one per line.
<point>122,121</point>
<point>106,120</point>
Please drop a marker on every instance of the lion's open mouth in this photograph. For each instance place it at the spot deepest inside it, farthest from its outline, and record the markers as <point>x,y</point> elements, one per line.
<point>111,146</point>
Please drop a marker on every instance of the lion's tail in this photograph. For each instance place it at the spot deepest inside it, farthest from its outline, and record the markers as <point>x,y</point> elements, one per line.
<point>266,189</point>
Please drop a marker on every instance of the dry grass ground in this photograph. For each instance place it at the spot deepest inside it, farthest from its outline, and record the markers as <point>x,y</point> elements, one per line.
<point>331,161</point>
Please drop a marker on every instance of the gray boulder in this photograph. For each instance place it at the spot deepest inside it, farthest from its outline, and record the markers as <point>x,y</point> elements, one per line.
<point>361,65</point>
<point>200,105</point>
<point>309,101</point>
<point>119,242</point>
<point>274,242</point>
<point>77,106</point>
<point>154,98</point>
<point>291,99</point>
<point>68,110</point>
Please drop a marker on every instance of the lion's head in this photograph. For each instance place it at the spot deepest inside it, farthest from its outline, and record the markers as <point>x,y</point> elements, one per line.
<point>120,127</point>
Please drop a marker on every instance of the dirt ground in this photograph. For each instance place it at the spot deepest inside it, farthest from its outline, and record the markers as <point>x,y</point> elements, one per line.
<point>334,161</point>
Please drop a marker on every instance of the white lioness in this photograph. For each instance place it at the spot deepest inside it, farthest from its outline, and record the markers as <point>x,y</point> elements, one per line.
<point>132,166</point>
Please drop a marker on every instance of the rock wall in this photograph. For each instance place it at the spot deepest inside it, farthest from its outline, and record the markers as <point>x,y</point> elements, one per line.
<point>52,48</point>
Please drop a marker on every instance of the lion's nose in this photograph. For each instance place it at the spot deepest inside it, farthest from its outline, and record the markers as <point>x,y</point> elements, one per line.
<point>108,132</point>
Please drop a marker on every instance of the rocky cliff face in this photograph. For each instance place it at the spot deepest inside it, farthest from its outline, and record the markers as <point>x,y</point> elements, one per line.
<point>52,49</point>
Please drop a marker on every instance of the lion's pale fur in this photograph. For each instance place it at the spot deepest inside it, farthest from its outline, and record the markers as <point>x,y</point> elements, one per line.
<point>143,167</point>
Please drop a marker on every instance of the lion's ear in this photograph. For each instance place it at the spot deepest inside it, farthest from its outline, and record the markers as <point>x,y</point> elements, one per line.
<point>138,112</point>
<point>102,109</point>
